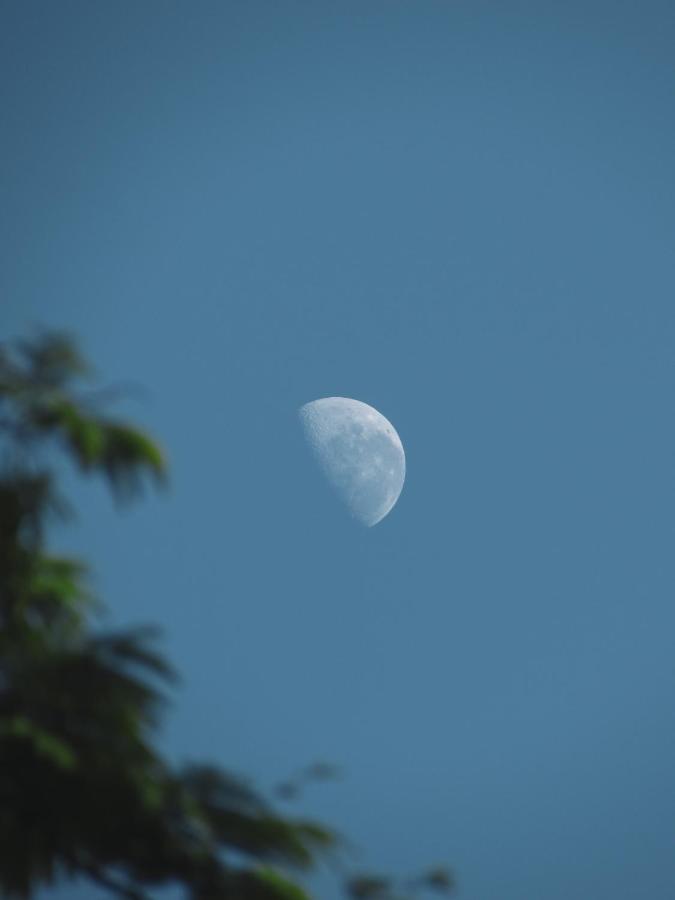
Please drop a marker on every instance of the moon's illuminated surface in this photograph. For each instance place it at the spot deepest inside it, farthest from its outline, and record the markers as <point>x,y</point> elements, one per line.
<point>359,452</point>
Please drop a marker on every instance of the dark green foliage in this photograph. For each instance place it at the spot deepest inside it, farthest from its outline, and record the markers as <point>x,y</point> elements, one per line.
<point>38,401</point>
<point>83,790</point>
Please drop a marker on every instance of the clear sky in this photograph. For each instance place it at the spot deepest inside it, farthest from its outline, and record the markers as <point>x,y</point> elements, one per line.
<point>462,213</point>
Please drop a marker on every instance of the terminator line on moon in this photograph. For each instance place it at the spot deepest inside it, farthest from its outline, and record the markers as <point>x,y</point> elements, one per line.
<point>359,452</point>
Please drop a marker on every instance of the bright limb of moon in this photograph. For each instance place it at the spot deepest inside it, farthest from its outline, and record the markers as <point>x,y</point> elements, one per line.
<point>359,452</point>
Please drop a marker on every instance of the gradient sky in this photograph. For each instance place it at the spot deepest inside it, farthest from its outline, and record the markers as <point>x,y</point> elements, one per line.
<point>462,213</point>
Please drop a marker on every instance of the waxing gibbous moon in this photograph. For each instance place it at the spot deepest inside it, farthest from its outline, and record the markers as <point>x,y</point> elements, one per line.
<point>359,452</point>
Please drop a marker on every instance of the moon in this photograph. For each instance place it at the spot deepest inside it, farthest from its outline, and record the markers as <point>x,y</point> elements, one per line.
<point>359,452</point>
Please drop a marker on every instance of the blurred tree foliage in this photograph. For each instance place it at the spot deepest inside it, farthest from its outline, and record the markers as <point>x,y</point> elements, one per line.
<point>84,791</point>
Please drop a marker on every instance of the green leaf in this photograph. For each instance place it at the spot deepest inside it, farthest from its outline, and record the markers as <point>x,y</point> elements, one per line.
<point>44,743</point>
<point>280,886</point>
<point>130,649</point>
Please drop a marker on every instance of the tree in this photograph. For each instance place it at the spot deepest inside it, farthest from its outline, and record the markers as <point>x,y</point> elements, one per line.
<point>83,789</point>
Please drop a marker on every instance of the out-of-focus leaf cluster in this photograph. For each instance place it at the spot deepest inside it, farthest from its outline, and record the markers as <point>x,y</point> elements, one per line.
<point>41,397</point>
<point>83,789</point>
<point>438,881</point>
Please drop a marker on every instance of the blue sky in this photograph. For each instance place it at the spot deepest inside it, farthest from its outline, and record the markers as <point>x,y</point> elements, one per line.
<point>462,214</point>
